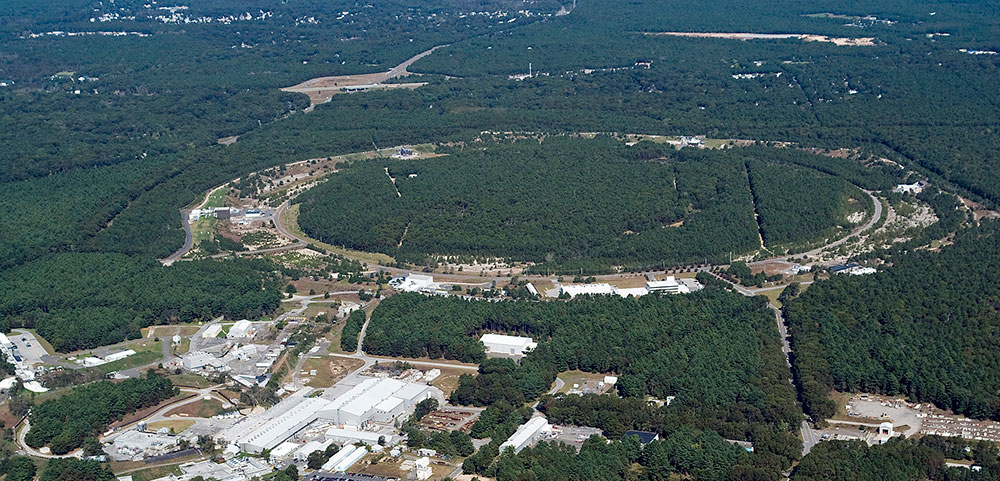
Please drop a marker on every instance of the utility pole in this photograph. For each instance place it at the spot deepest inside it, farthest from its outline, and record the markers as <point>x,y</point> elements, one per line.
<point>529,70</point>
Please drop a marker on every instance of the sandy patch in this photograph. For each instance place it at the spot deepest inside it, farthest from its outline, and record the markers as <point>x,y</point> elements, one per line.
<point>842,41</point>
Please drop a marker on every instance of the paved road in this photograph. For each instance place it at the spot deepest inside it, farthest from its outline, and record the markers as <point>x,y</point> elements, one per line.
<point>867,225</point>
<point>188,240</point>
<point>810,438</point>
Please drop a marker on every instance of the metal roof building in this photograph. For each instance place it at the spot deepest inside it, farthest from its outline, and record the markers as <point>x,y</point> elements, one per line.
<point>280,428</point>
<point>525,434</point>
<point>509,345</point>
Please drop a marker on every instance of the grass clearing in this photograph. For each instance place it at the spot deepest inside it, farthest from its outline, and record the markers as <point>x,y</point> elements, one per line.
<point>183,347</point>
<point>156,472</point>
<point>188,379</point>
<point>146,352</point>
<point>175,426</point>
<point>216,198</point>
<point>203,408</point>
<point>203,229</point>
<point>448,380</point>
<point>290,219</point>
<point>329,370</point>
<point>578,378</point>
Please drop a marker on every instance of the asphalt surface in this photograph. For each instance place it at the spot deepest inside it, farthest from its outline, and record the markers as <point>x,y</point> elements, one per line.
<point>188,240</point>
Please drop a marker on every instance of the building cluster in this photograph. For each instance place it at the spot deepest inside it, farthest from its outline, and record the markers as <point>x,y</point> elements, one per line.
<point>22,370</point>
<point>670,285</point>
<point>852,268</point>
<point>137,444</point>
<point>94,361</point>
<point>363,414</point>
<point>914,188</point>
<point>417,283</point>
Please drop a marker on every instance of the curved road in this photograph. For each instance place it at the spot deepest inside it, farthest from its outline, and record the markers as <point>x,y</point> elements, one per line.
<point>188,239</point>
<point>867,225</point>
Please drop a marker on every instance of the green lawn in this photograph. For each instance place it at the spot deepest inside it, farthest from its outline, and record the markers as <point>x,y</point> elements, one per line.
<point>216,198</point>
<point>144,355</point>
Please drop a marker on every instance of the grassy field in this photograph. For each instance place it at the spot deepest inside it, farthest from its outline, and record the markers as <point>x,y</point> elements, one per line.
<point>216,198</point>
<point>329,370</point>
<point>175,426</point>
<point>203,229</point>
<point>290,219</point>
<point>189,379</point>
<point>198,409</point>
<point>448,380</point>
<point>183,347</point>
<point>579,378</point>
<point>145,353</point>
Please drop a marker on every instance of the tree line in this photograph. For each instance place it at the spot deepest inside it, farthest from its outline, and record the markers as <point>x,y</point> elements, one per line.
<point>65,423</point>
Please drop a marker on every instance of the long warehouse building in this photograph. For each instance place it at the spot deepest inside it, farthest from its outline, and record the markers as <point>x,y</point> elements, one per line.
<point>275,431</point>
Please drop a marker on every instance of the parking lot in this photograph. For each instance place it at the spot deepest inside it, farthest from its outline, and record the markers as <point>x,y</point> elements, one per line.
<point>29,348</point>
<point>571,435</point>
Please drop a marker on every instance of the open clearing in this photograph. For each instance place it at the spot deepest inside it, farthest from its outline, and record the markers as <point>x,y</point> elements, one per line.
<point>322,89</point>
<point>842,41</point>
<point>329,370</point>
<point>198,409</point>
<point>175,426</point>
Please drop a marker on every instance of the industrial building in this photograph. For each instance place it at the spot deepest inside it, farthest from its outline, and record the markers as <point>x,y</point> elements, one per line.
<point>508,345</point>
<point>669,286</point>
<point>351,436</point>
<point>416,283</point>
<point>574,290</point>
<point>243,328</point>
<point>280,428</point>
<point>117,356</point>
<point>212,331</point>
<point>199,359</point>
<point>303,452</point>
<point>371,401</point>
<point>526,434</point>
<point>375,400</point>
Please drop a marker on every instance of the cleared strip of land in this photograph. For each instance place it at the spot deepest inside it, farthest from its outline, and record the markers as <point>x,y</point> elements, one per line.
<point>842,41</point>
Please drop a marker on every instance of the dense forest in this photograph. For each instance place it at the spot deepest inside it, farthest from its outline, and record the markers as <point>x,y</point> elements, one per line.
<point>71,469</point>
<point>898,460</point>
<point>64,423</point>
<point>717,353</point>
<point>779,191</point>
<point>684,453</point>
<point>688,454</point>
<point>564,200</point>
<point>80,301</point>
<point>925,327</point>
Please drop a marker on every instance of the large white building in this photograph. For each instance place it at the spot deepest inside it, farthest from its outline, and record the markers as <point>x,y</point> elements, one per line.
<point>573,290</point>
<point>670,286</point>
<point>416,283</point>
<point>243,328</point>
<point>351,436</point>
<point>526,434</point>
<point>375,400</point>
<point>280,428</point>
<point>508,345</point>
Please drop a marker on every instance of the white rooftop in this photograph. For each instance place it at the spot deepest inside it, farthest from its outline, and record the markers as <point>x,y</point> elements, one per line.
<point>524,342</point>
<point>583,289</point>
<point>525,432</point>
<point>378,392</point>
<point>389,404</point>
